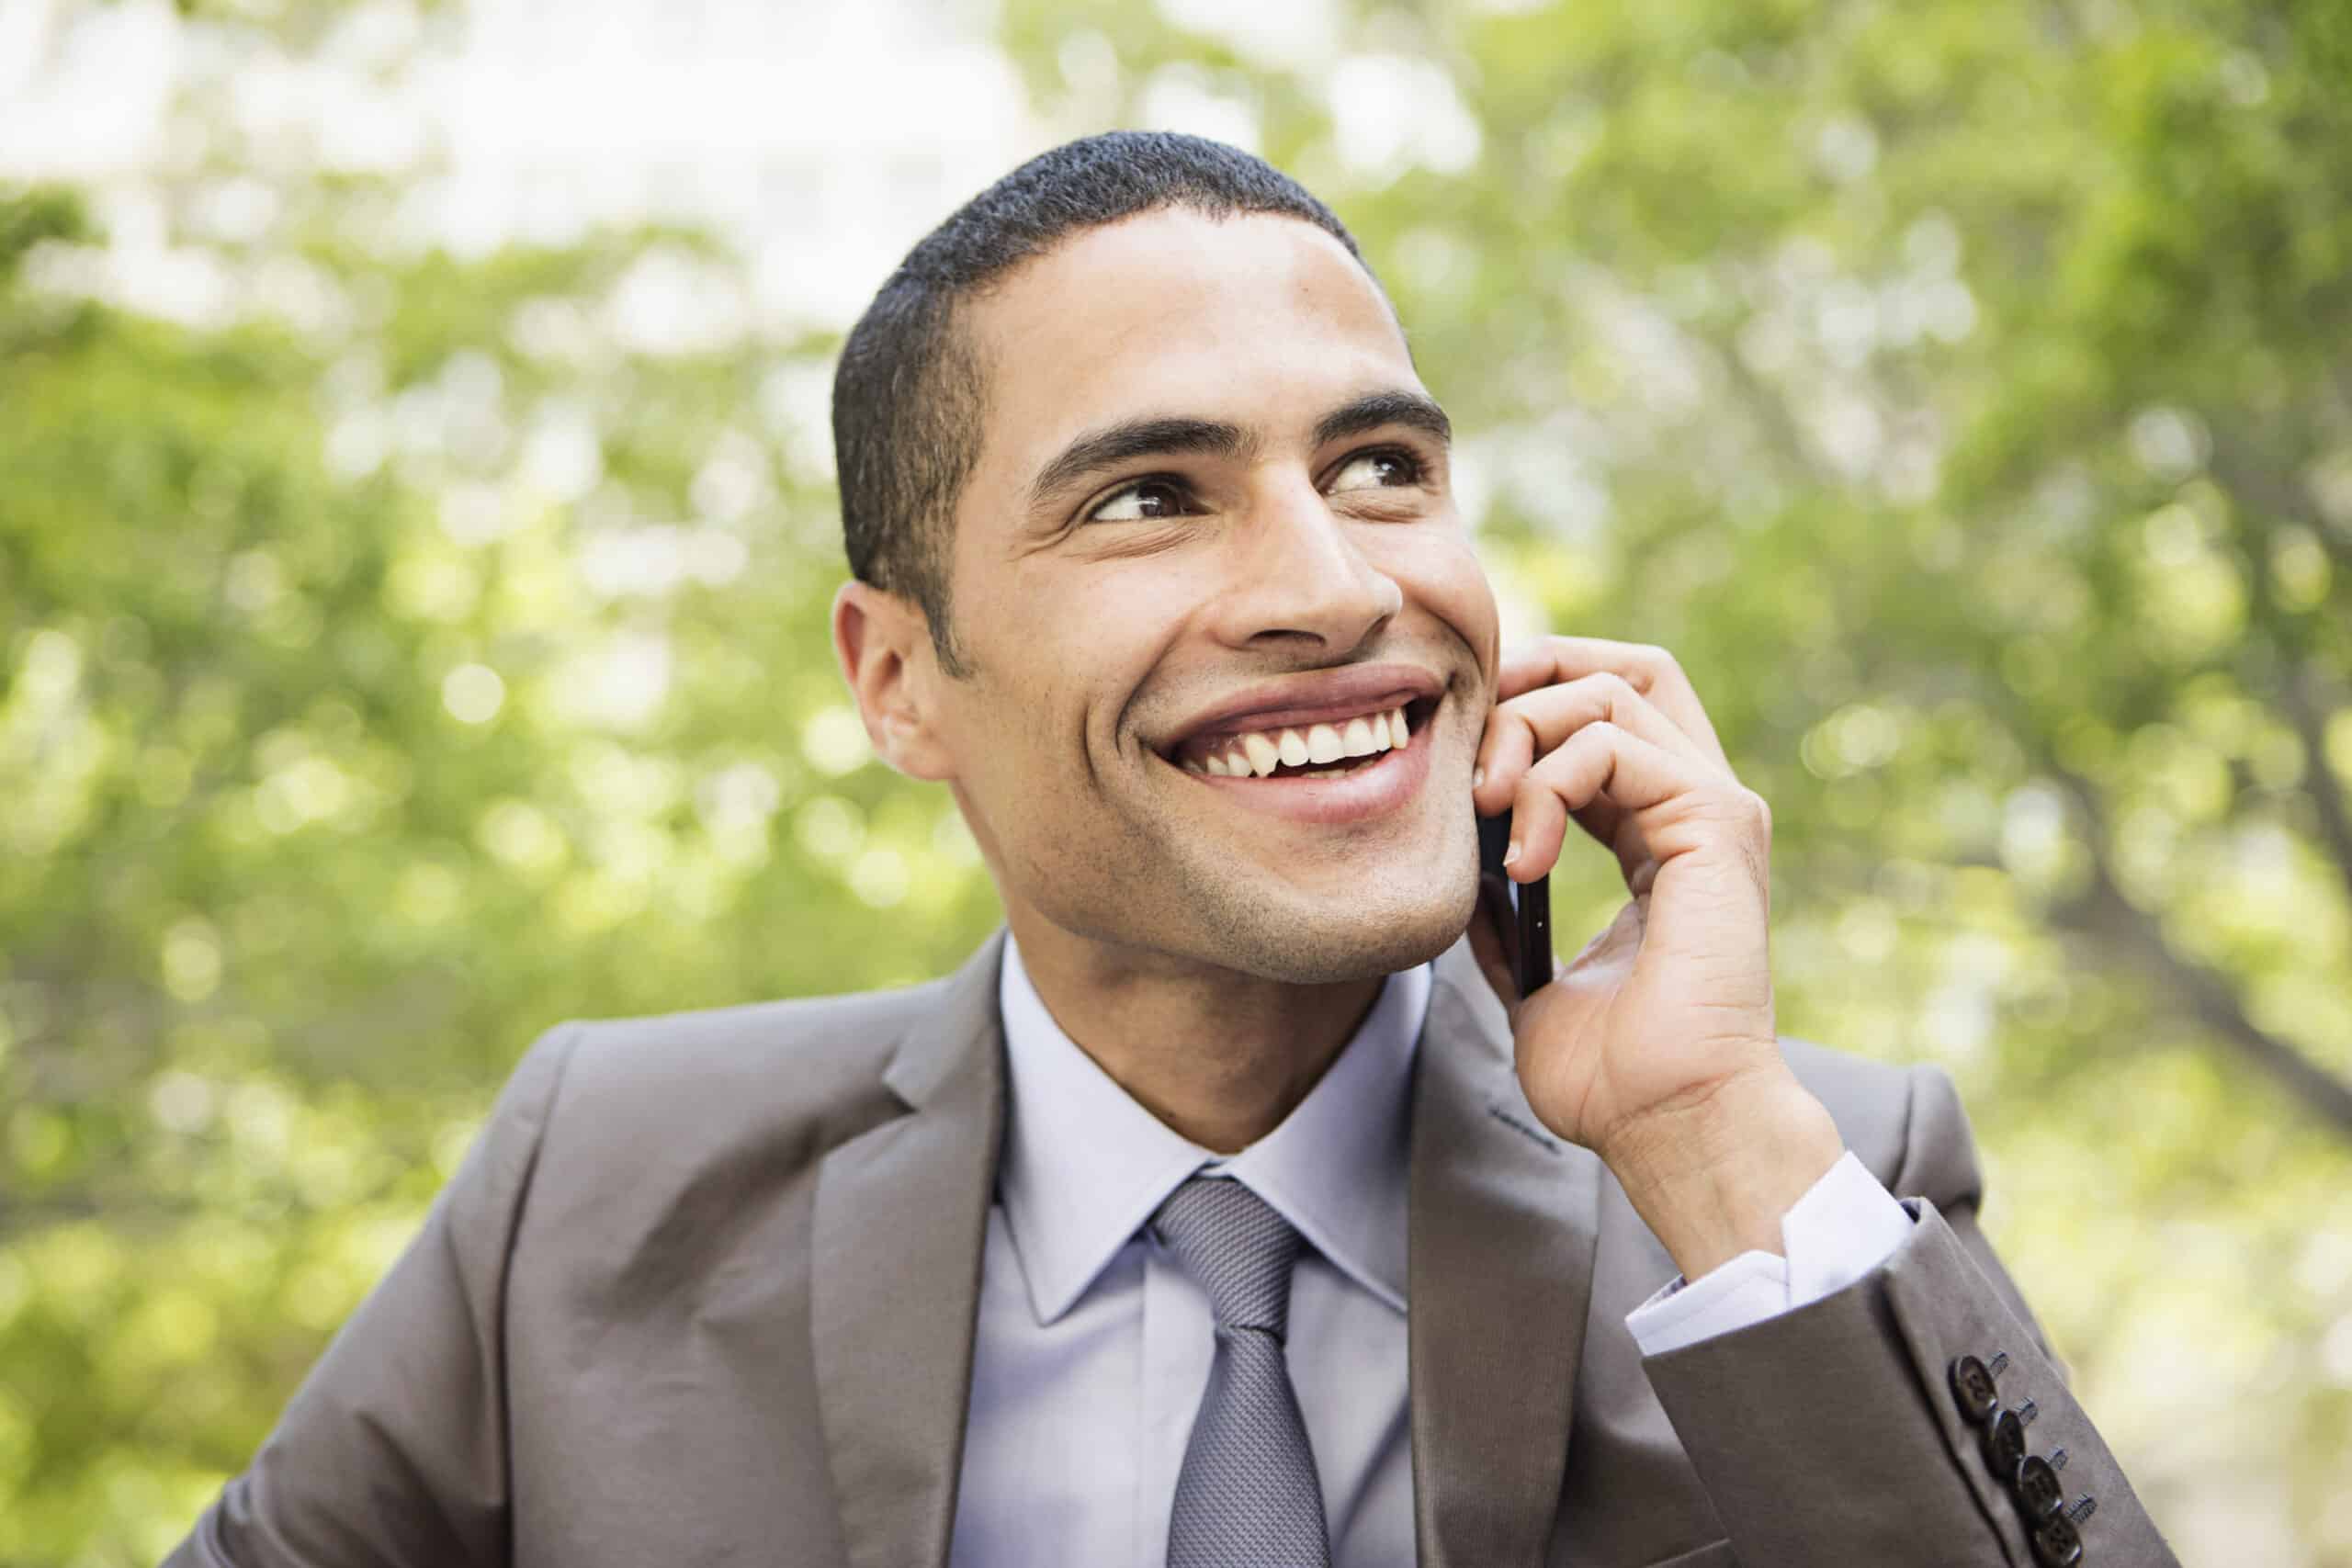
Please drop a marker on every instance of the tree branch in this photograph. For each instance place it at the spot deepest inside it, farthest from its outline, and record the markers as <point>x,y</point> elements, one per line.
<point>2302,698</point>
<point>2250,476</point>
<point>2257,488</point>
<point>2104,912</point>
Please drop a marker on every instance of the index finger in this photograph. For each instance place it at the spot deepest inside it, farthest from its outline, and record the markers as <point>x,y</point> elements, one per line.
<point>1648,668</point>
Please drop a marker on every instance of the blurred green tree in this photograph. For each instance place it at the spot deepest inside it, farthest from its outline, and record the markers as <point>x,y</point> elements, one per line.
<point>379,692</point>
<point>433,651</point>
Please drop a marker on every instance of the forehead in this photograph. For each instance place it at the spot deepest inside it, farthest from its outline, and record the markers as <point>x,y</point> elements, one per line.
<point>1261,320</point>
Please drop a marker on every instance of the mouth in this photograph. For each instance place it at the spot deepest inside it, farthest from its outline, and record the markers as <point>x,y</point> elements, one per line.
<point>1331,746</point>
<point>1320,790</point>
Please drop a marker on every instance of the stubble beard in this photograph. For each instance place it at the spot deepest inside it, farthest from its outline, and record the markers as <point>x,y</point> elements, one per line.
<point>1254,921</point>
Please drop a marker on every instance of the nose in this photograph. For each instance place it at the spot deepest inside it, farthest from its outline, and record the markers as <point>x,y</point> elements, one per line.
<point>1298,576</point>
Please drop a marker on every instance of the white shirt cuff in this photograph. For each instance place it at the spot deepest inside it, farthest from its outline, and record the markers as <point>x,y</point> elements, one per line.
<point>1845,1226</point>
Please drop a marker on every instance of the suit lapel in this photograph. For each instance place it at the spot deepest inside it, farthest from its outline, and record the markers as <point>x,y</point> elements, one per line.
<point>901,1214</point>
<point>1504,1221</point>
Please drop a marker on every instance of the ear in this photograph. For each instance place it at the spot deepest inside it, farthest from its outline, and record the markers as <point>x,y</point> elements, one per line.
<point>884,644</point>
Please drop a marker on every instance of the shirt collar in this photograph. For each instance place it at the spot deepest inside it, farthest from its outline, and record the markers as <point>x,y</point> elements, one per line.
<point>1084,1166</point>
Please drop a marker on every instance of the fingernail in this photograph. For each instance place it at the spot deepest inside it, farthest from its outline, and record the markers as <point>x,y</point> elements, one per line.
<point>1511,853</point>
<point>1478,777</point>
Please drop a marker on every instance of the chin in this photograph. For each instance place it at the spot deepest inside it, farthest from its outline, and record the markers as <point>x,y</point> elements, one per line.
<point>1397,928</point>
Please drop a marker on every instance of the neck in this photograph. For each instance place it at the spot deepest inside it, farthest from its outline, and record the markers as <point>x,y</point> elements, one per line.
<point>1218,1056</point>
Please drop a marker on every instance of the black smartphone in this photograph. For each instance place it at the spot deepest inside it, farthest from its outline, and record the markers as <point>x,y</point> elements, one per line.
<point>1531,942</point>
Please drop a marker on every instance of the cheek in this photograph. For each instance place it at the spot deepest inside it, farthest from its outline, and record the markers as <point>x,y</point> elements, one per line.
<point>1060,660</point>
<point>1441,576</point>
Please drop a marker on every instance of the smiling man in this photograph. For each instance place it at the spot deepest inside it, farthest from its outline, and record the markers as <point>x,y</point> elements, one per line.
<point>1232,1206</point>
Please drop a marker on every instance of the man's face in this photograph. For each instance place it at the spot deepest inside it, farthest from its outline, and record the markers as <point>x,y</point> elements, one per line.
<point>1267,541</point>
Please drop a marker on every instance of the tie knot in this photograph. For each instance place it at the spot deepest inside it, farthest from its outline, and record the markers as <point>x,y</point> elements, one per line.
<point>1239,1249</point>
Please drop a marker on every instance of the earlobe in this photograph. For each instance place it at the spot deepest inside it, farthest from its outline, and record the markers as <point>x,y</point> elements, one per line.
<point>884,646</point>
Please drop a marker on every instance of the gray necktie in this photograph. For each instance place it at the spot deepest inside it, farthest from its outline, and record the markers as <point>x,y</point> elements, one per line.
<point>1248,1495</point>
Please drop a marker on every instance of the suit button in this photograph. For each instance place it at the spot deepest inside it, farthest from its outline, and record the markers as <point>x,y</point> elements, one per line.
<point>2004,1442</point>
<point>1971,1388</point>
<point>2039,1491</point>
<point>2058,1544</point>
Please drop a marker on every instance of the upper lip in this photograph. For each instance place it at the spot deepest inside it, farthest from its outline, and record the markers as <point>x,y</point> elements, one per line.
<point>1318,697</point>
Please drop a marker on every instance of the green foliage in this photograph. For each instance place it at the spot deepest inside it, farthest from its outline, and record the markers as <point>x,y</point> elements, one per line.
<point>430,653</point>
<point>374,702</point>
<point>30,218</point>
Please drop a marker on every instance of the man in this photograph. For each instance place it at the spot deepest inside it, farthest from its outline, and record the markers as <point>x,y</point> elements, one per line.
<point>1231,1207</point>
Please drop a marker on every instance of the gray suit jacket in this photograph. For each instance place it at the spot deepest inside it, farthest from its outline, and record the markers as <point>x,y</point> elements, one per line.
<point>704,1289</point>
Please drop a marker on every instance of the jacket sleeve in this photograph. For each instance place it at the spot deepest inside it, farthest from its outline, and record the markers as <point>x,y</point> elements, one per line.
<point>1842,1432</point>
<point>393,1453</point>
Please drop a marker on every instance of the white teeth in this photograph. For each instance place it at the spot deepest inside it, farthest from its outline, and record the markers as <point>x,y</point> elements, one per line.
<point>1262,751</point>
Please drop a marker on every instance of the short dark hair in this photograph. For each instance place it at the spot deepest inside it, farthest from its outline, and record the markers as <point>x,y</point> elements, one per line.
<point>910,392</point>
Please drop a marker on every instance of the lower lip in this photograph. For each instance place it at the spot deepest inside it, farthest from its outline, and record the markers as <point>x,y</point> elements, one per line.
<point>1372,790</point>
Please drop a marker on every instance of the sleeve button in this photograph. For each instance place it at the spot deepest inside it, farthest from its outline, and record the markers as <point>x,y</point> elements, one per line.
<point>2058,1544</point>
<point>2004,1442</point>
<point>1971,1390</point>
<point>2039,1492</point>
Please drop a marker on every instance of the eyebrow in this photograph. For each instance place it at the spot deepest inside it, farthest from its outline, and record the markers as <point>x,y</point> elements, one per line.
<point>1131,438</point>
<point>1416,411</point>
<point>1166,436</point>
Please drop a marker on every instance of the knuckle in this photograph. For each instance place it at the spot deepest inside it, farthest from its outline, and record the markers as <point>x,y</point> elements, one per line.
<point>1655,662</point>
<point>1612,686</point>
<point>1556,764</point>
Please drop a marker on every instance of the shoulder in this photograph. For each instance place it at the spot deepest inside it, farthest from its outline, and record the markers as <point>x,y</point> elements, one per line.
<point>1905,1122</point>
<point>639,1158</point>
<point>810,1061</point>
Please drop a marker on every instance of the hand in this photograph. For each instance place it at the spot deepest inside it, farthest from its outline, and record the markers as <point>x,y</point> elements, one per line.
<point>1655,1047</point>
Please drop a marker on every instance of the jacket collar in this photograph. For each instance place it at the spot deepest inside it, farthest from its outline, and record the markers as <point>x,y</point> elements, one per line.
<point>901,1210</point>
<point>1505,1221</point>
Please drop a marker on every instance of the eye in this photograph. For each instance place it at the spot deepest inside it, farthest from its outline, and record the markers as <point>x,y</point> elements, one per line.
<point>1383,470</point>
<point>1142,501</point>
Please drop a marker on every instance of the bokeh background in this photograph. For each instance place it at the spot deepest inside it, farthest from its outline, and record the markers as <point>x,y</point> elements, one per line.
<point>416,521</point>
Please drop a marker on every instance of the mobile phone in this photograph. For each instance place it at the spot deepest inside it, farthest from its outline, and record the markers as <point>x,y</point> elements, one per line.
<point>1530,943</point>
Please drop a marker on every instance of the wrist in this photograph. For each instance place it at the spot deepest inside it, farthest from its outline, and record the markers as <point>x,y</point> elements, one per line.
<point>1712,1175</point>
